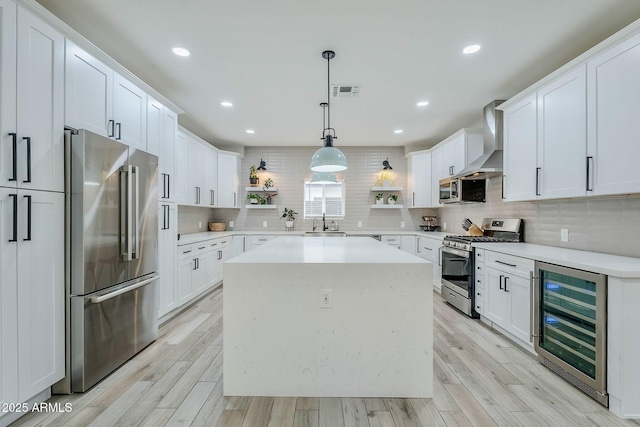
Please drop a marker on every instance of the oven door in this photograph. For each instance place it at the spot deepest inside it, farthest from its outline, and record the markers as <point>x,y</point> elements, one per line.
<point>457,271</point>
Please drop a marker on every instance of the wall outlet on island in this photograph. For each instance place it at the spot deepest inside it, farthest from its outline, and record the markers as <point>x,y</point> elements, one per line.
<point>326,301</point>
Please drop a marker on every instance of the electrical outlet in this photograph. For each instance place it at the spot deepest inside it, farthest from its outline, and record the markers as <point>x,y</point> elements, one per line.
<point>326,300</point>
<point>264,224</point>
<point>401,224</point>
<point>564,234</point>
<point>444,226</point>
<point>230,224</point>
<point>199,225</point>
<point>359,224</point>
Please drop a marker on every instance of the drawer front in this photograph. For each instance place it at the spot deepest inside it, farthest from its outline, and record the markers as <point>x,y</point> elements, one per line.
<point>479,255</point>
<point>479,307</point>
<point>391,240</point>
<point>223,242</point>
<point>429,248</point>
<point>259,240</point>
<point>509,263</point>
<point>187,251</point>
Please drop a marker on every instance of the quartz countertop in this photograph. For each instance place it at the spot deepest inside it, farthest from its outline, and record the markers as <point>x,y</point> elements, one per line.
<point>332,250</point>
<point>612,265</point>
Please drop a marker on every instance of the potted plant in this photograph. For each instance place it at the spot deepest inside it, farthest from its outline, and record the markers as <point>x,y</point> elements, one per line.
<point>253,176</point>
<point>392,199</point>
<point>289,215</point>
<point>385,179</point>
<point>254,199</point>
<point>267,184</point>
<point>379,199</point>
<point>269,197</point>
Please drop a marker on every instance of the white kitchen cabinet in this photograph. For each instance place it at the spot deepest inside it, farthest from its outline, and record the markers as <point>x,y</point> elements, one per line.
<point>228,180</point>
<point>613,94</point>
<point>393,240</point>
<point>195,172</point>
<point>217,253</point>
<point>210,177</point>
<point>32,102</point>
<point>102,101</point>
<point>420,179</point>
<point>180,182</point>
<point>562,137</point>
<point>191,272</point>
<point>408,244</point>
<point>167,157</point>
<point>155,126</point>
<point>429,249</point>
<point>183,274</point>
<point>167,241</point>
<point>460,149</point>
<point>507,298</point>
<point>238,245</point>
<point>32,316</point>
<point>130,113</point>
<point>479,277</point>
<point>258,240</point>
<point>520,150</point>
<point>437,172</point>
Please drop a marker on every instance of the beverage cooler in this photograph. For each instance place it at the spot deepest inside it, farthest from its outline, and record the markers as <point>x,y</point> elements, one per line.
<point>570,326</point>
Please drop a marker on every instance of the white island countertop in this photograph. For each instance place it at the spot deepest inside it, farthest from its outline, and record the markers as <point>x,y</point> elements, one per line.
<point>325,250</point>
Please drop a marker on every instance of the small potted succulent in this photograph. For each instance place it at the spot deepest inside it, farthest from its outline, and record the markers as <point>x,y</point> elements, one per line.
<point>253,176</point>
<point>392,199</point>
<point>379,199</point>
<point>289,215</point>
<point>254,199</point>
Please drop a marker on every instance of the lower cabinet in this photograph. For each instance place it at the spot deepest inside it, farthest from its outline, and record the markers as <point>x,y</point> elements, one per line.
<point>429,249</point>
<point>167,241</point>
<point>32,296</point>
<point>259,240</point>
<point>507,299</point>
<point>408,244</point>
<point>394,241</point>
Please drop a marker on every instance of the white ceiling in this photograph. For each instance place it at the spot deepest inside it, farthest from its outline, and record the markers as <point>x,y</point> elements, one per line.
<point>265,57</point>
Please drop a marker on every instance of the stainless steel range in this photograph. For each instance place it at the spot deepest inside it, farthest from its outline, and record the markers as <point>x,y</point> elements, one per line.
<point>458,260</point>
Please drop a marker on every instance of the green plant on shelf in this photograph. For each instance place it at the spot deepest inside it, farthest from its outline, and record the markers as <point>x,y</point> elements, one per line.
<point>256,199</point>
<point>379,196</point>
<point>267,184</point>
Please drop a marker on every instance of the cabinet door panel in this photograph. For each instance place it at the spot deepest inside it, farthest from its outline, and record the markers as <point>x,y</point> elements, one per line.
<point>519,318</point>
<point>41,292</point>
<point>227,180</point>
<point>613,111</point>
<point>88,92</point>
<point>184,273</point>
<point>8,116</point>
<point>40,104</point>
<point>155,113</point>
<point>130,113</point>
<point>195,173</point>
<point>8,298</point>
<point>420,169</point>
<point>167,158</point>
<point>496,299</point>
<point>210,177</point>
<point>520,142</point>
<point>562,136</point>
<point>180,181</point>
<point>437,172</point>
<point>167,241</point>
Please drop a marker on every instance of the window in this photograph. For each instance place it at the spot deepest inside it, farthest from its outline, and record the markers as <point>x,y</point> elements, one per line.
<point>324,198</point>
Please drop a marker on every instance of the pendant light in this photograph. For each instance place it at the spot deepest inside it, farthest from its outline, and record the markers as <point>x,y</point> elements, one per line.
<point>324,177</point>
<point>328,158</point>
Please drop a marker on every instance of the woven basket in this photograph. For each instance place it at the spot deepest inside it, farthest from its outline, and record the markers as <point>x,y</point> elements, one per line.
<point>217,226</point>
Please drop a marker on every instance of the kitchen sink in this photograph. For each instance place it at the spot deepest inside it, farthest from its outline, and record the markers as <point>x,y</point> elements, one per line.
<point>325,234</point>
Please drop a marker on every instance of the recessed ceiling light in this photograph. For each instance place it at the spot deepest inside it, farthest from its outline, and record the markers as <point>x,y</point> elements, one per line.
<point>398,131</point>
<point>226,104</point>
<point>250,131</point>
<point>180,51</point>
<point>471,49</point>
<point>422,103</point>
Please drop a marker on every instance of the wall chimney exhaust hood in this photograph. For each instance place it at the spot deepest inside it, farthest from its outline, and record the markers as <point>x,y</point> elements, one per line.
<point>490,162</point>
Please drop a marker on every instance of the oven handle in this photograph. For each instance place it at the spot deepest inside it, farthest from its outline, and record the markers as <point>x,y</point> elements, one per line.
<point>458,252</point>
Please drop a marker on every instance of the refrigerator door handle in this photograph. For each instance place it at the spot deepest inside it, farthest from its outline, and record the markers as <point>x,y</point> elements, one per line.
<point>102,298</point>
<point>126,213</point>
<point>136,215</point>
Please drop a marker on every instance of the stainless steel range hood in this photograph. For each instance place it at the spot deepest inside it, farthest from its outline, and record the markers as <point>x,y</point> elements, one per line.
<point>490,161</point>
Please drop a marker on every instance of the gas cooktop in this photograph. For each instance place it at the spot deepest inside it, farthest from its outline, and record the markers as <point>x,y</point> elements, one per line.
<point>495,230</point>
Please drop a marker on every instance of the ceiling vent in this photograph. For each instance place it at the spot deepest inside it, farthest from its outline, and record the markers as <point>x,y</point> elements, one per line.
<point>344,91</point>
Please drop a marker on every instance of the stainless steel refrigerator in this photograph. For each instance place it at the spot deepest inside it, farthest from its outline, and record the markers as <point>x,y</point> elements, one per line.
<point>112,256</point>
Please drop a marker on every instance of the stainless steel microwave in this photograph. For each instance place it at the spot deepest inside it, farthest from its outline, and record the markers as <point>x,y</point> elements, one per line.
<point>463,190</point>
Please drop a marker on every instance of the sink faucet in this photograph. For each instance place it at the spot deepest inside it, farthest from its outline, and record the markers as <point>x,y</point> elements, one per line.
<point>324,225</point>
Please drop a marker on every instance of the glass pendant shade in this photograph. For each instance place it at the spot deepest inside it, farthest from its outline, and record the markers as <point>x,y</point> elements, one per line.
<point>328,159</point>
<point>324,178</point>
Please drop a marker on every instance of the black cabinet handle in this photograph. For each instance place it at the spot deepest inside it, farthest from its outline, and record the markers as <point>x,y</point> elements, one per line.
<point>503,176</point>
<point>28,239</point>
<point>538,181</point>
<point>168,186</point>
<point>164,186</point>
<point>589,163</point>
<point>211,194</point>
<point>15,217</point>
<point>219,255</point>
<point>501,277</point>
<point>119,126</point>
<point>28,139</point>
<point>165,217</point>
<point>234,200</point>
<point>110,130</point>
<point>14,175</point>
<point>505,283</point>
<point>413,199</point>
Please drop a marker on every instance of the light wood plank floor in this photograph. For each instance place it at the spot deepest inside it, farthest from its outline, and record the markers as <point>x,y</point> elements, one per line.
<point>481,379</point>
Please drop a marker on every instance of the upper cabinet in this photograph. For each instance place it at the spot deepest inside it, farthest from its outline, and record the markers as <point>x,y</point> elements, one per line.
<point>155,126</point>
<point>613,110</point>
<point>31,101</point>
<point>420,179</point>
<point>167,156</point>
<point>459,150</point>
<point>228,180</point>
<point>102,101</point>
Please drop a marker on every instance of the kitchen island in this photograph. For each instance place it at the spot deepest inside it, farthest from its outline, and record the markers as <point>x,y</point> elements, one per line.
<point>328,316</point>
